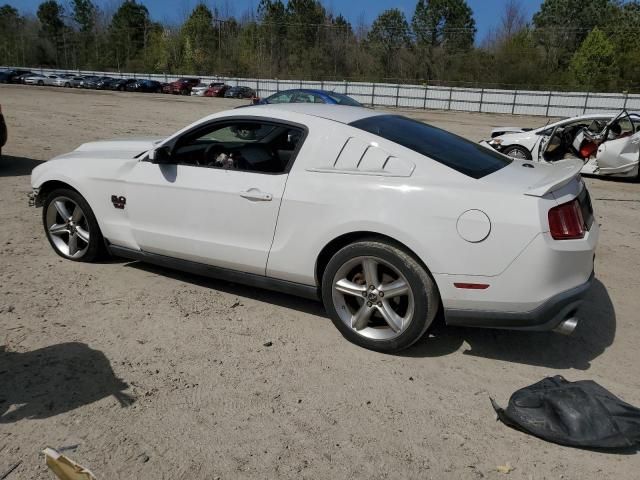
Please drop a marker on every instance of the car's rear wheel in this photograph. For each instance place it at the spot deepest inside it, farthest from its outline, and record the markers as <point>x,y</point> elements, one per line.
<point>518,152</point>
<point>40,83</point>
<point>379,296</point>
<point>71,226</point>
<point>67,85</point>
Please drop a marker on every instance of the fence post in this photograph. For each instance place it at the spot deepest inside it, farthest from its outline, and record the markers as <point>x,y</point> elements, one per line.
<point>426,90</point>
<point>548,104</point>
<point>450,95</point>
<point>481,99</point>
<point>277,85</point>
<point>586,101</point>
<point>626,97</point>
<point>346,87</point>
<point>397,94</point>
<point>373,94</point>
<point>321,84</point>
<point>257,86</point>
<point>513,106</point>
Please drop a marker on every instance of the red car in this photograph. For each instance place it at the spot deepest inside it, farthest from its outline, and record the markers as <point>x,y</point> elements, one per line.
<point>216,90</point>
<point>183,86</point>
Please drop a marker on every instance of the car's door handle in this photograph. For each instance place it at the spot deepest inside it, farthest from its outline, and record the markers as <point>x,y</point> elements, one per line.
<point>256,195</point>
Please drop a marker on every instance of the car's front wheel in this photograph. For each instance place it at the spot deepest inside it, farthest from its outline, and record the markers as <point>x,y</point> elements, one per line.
<point>71,226</point>
<point>379,296</point>
<point>518,152</point>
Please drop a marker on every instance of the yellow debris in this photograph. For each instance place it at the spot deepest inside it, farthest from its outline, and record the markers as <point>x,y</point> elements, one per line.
<point>64,467</point>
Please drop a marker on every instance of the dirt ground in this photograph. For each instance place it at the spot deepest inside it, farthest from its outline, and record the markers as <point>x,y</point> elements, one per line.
<point>138,372</point>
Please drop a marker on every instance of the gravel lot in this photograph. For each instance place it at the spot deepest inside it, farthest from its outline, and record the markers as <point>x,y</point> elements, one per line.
<point>145,373</point>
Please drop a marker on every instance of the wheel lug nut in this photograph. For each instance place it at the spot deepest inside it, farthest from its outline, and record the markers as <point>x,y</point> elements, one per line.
<point>369,304</point>
<point>371,287</point>
<point>379,304</point>
<point>381,294</point>
<point>364,294</point>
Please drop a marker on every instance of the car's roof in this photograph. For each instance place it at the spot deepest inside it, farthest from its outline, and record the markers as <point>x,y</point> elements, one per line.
<point>337,113</point>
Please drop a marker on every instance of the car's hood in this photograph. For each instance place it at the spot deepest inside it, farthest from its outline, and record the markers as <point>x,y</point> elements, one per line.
<point>133,146</point>
<point>496,132</point>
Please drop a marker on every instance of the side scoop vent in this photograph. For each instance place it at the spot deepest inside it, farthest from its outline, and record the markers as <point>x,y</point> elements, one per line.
<point>361,158</point>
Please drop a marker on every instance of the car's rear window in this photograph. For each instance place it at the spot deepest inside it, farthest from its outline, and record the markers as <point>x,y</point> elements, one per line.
<point>344,100</point>
<point>444,147</point>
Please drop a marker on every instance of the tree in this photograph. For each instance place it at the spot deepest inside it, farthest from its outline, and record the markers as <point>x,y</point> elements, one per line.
<point>388,36</point>
<point>11,25</point>
<point>447,23</point>
<point>200,39</point>
<point>594,64</point>
<point>562,25</point>
<point>128,31</point>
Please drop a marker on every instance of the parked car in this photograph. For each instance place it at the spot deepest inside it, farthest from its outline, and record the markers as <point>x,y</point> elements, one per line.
<point>64,80</point>
<point>120,84</point>
<point>3,131</point>
<point>199,89</point>
<point>76,81</point>
<point>216,90</point>
<point>94,82</point>
<point>183,86</point>
<point>41,80</point>
<point>104,83</point>
<point>88,81</point>
<point>240,92</point>
<point>145,86</point>
<point>304,95</point>
<point>8,76</point>
<point>21,77</point>
<point>606,144</point>
<point>384,218</point>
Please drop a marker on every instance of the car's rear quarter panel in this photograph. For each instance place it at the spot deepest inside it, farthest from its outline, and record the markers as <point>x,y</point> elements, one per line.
<point>420,211</point>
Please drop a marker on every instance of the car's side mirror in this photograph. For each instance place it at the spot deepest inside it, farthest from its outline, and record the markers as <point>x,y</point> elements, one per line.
<point>161,155</point>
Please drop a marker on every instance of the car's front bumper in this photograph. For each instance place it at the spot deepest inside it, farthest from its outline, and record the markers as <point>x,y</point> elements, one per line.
<point>547,316</point>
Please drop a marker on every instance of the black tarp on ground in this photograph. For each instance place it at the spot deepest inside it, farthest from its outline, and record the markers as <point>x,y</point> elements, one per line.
<point>578,414</point>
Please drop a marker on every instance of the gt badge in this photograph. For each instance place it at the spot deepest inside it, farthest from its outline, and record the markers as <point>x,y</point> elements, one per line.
<point>118,202</point>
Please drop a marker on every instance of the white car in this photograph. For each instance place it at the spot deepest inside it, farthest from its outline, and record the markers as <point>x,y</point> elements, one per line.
<point>389,220</point>
<point>607,143</point>
<point>41,80</point>
<point>201,88</point>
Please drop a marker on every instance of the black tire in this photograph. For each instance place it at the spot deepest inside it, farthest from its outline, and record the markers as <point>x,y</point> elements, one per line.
<point>40,83</point>
<point>95,248</point>
<point>516,151</point>
<point>67,85</point>
<point>423,288</point>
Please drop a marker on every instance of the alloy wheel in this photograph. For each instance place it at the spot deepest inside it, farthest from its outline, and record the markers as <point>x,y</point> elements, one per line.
<point>373,298</point>
<point>67,226</point>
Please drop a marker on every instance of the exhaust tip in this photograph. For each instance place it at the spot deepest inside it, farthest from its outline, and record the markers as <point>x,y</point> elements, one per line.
<point>566,327</point>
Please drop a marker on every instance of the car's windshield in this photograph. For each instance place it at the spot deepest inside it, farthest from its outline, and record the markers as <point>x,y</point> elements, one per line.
<point>444,147</point>
<point>344,100</point>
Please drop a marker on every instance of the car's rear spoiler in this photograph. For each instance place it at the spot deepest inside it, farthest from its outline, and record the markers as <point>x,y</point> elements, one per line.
<point>562,173</point>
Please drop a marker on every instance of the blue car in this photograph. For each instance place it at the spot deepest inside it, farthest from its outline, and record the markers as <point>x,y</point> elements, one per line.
<point>303,95</point>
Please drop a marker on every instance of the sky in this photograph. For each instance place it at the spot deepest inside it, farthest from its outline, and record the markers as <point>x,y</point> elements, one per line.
<point>486,12</point>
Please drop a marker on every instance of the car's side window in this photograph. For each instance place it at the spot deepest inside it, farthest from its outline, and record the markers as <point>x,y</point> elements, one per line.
<point>244,145</point>
<point>281,98</point>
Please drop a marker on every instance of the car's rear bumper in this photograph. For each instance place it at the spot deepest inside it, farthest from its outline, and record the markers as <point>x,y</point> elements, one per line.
<point>547,316</point>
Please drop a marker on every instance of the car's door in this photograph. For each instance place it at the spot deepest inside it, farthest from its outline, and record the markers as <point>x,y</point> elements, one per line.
<point>617,154</point>
<point>546,142</point>
<point>199,208</point>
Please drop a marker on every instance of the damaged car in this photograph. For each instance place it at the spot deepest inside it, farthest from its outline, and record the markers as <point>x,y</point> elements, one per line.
<point>607,144</point>
<point>391,222</point>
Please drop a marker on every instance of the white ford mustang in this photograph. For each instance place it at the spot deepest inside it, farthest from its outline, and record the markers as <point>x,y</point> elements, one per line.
<point>388,220</point>
<point>607,144</point>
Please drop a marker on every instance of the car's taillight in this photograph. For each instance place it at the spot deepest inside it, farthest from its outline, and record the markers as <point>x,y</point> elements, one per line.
<point>566,221</point>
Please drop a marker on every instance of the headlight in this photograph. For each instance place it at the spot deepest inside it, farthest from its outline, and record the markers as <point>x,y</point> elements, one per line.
<point>494,142</point>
